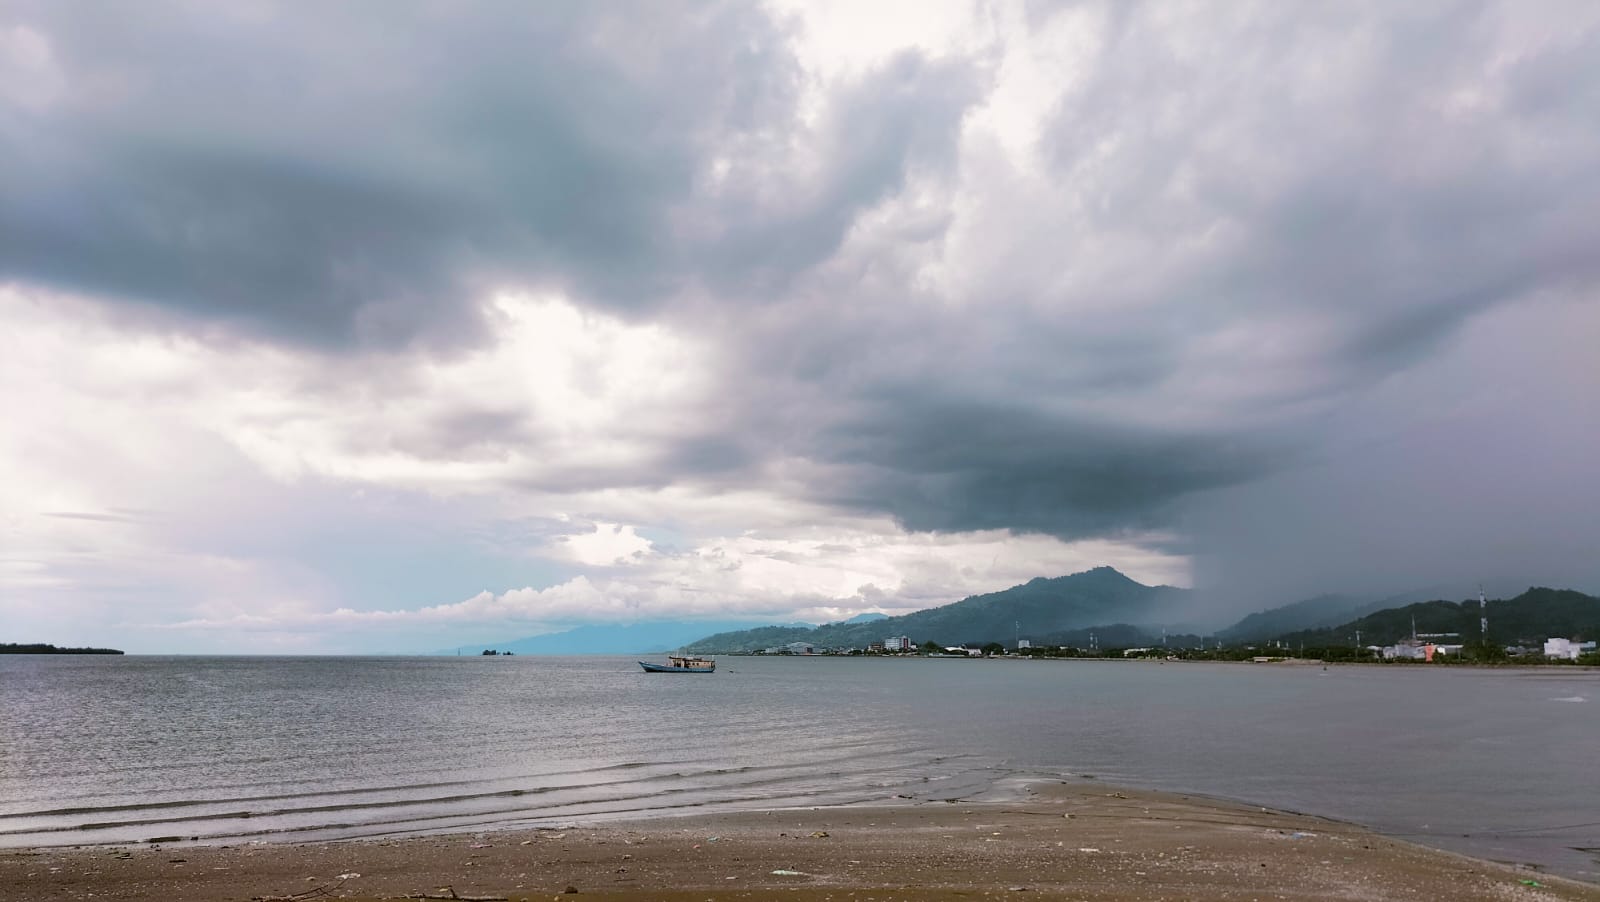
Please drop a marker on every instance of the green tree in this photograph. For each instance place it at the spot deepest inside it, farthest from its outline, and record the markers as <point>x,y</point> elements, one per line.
<point>1484,653</point>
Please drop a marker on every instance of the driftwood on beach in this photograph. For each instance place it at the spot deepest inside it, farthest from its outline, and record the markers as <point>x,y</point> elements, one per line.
<point>313,893</point>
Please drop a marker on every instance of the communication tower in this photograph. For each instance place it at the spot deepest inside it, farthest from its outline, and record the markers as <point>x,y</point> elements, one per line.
<point>1483,616</point>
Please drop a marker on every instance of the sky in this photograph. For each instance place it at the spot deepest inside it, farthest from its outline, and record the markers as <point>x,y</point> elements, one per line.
<point>386,327</point>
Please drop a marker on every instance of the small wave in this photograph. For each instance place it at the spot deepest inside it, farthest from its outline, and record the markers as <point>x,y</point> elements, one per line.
<point>637,788</point>
<point>1570,698</point>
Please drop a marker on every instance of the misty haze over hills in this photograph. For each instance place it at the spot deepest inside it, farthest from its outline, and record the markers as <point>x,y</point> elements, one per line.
<point>644,637</point>
<point>1323,611</point>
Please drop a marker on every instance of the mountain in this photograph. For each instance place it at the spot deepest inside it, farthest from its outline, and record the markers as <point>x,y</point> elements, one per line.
<point>1320,612</point>
<point>1045,611</point>
<point>645,637</point>
<point>1528,619</point>
<point>868,617</point>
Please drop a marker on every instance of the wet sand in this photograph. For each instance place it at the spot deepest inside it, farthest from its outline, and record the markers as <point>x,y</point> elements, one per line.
<point>1081,841</point>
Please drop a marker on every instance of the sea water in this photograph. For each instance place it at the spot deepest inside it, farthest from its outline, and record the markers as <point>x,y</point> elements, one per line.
<point>1495,763</point>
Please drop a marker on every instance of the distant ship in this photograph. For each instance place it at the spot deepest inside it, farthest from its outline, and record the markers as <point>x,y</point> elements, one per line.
<point>681,664</point>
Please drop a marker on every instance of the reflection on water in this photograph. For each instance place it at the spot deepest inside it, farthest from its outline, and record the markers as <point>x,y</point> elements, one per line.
<point>128,749</point>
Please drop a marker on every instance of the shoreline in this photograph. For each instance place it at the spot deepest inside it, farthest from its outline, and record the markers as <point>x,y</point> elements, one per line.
<point>1443,663</point>
<point>1048,838</point>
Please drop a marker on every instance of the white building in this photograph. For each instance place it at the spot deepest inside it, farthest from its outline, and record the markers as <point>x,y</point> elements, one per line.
<point>1566,648</point>
<point>897,643</point>
<point>793,648</point>
<point>1405,650</point>
<point>1024,643</point>
<point>1415,650</point>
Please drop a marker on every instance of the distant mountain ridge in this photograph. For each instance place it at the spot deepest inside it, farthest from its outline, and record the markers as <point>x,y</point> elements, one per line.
<point>1320,612</point>
<point>1043,610</point>
<point>1313,613</point>
<point>1119,611</point>
<point>1529,618</point>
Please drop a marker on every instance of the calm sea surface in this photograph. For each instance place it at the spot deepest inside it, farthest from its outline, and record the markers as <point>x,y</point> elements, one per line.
<point>1501,764</point>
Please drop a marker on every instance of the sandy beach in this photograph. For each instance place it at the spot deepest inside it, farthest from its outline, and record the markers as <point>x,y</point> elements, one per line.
<point>1051,840</point>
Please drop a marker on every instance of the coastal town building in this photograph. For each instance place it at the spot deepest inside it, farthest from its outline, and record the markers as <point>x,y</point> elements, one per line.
<point>897,643</point>
<point>793,648</point>
<point>1419,650</point>
<point>1566,649</point>
<point>1406,650</point>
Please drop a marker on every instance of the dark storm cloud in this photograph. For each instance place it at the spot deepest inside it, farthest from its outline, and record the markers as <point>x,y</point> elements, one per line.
<point>294,249</point>
<point>1326,196</point>
<point>1229,226</point>
<point>365,172</point>
<point>942,467</point>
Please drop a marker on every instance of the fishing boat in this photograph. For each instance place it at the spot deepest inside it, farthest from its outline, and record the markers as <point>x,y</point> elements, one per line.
<point>681,664</point>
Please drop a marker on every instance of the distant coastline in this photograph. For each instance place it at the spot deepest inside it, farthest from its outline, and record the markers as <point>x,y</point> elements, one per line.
<point>40,648</point>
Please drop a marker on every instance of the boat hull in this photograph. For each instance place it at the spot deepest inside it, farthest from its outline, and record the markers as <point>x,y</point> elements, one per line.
<point>668,668</point>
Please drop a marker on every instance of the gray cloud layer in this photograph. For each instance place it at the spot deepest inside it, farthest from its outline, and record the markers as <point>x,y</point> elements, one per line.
<point>1238,223</point>
<point>362,174</point>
